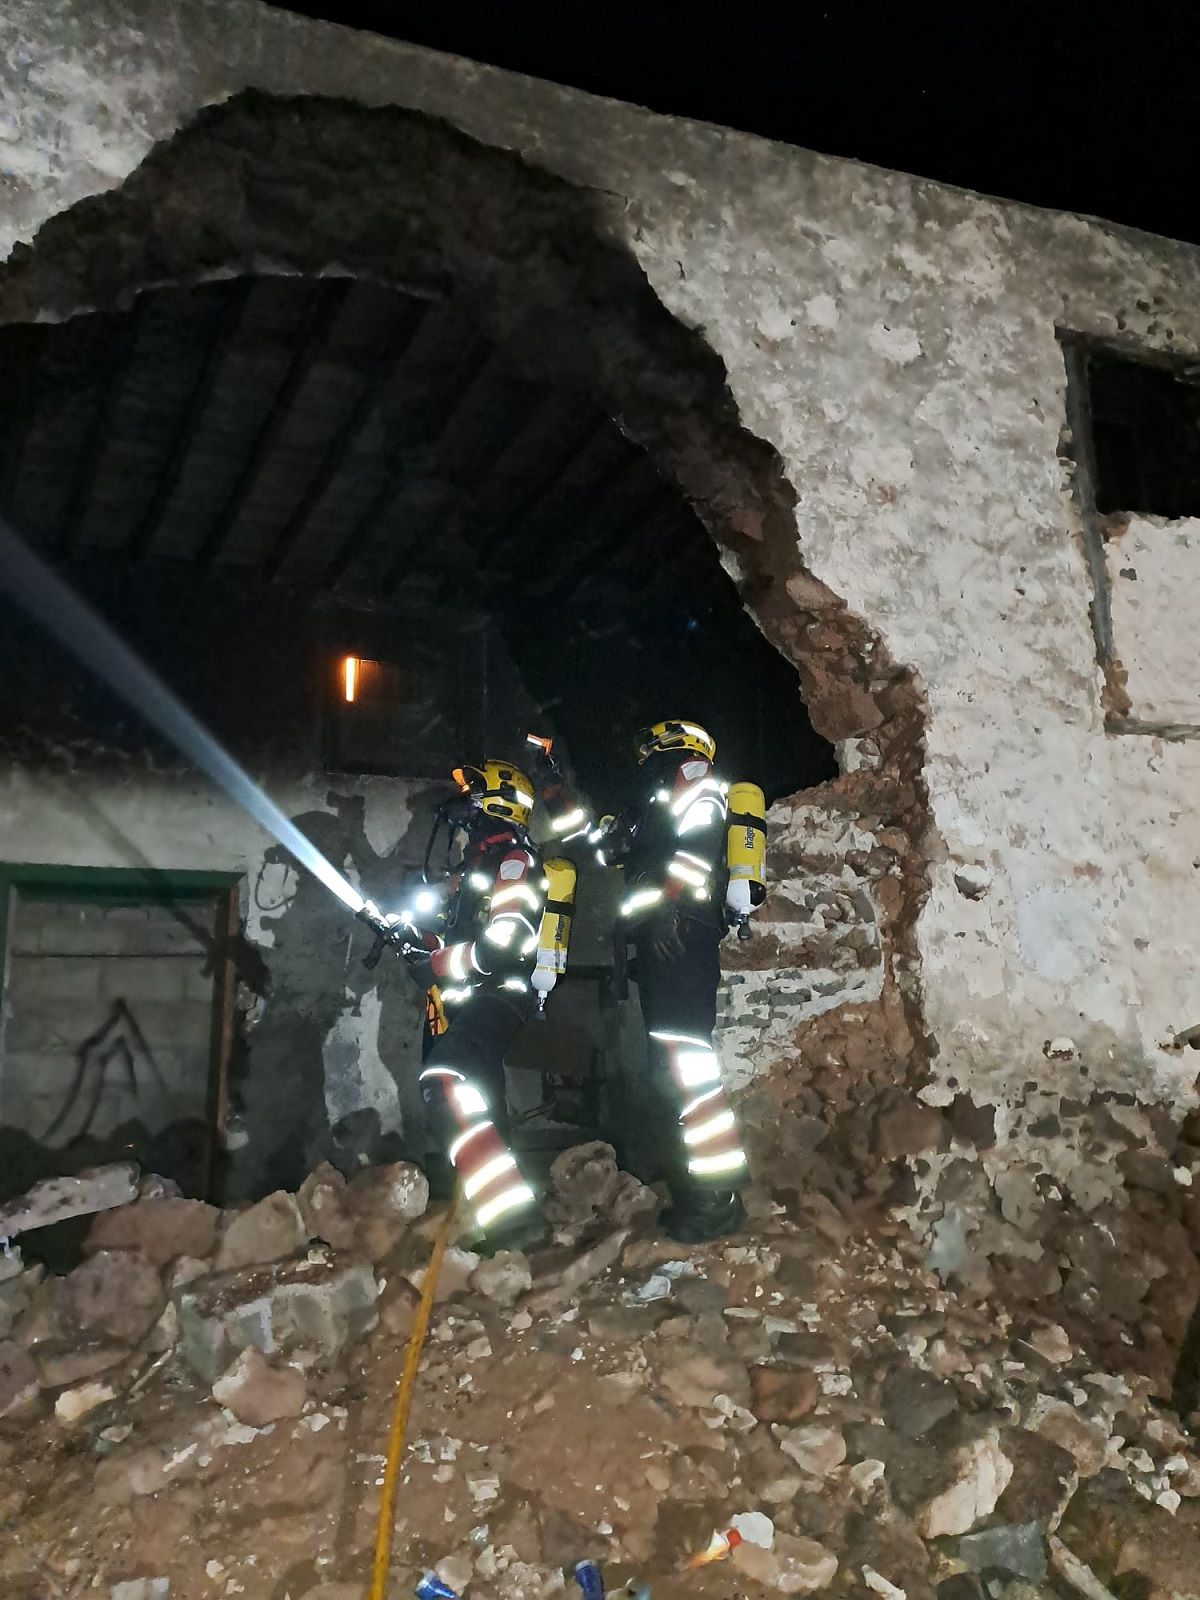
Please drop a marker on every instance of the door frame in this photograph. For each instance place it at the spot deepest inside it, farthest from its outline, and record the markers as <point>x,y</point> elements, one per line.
<point>144,886</point>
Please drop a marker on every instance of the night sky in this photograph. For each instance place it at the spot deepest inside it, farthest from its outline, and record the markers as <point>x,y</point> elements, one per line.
<point>1090,107</point>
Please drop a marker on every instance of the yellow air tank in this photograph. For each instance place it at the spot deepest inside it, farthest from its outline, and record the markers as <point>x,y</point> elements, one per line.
<point>746,844</point>
<point>554,932</point>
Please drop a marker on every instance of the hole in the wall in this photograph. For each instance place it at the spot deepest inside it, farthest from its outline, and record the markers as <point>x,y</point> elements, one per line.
<point>512,271</point>
<point>248,430</point>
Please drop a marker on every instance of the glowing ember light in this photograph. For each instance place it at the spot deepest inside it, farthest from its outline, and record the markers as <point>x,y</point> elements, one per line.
<point>350,678</point>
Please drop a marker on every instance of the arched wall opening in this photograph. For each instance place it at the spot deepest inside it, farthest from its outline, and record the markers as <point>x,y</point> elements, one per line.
<point>451,232</point>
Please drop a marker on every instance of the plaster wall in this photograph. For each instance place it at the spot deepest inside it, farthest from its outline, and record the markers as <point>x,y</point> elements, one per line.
<point>895,341</point>
<point>1151,564</point>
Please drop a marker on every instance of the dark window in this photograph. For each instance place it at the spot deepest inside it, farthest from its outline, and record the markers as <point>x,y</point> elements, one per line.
<point>1146,434</point>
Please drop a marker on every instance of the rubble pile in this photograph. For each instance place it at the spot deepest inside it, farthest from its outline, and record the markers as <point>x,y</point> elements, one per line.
<point>200,1410</point>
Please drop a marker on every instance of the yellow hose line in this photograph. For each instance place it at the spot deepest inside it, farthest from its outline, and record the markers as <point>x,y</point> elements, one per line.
<point>385,1529</point>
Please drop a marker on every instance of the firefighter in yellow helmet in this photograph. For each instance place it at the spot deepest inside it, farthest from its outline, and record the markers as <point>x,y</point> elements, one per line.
<point>494,946</point>
<point>692,869</point>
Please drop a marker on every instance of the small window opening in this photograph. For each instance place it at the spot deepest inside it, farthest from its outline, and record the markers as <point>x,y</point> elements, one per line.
<point>401,710</point>
<point>1145,434</point>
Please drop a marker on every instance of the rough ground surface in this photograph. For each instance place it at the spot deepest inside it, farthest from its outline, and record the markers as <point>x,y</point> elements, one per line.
<point>866,1430</point>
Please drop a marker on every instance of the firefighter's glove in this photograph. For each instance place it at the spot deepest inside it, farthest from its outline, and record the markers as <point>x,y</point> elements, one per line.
<point>664,933</point>
<point>611,839</point>
<point>420,966</point>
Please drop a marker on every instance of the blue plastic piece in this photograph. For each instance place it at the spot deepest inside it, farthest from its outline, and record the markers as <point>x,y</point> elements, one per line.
<point>587,1576</point>
<point>431,1587</point>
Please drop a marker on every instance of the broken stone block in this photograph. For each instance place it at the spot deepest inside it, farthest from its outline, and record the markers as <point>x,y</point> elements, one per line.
<point>1044,1479</point>
<point>981,1474</point>
<point>269,1231</point>
<point>804,1565</point>
<point>141,1589</point>
<point>1017,1552</point>
<point>385,1201</point>
<point>62,1364</point>
<point>116,1294</point>
<point>455,1571</point>
<point>1051,1343</point>
<point>586,1184</point>
<point>275,1309</point>
<point>914,1402</point>
<point>18,1378</point>
<point>325,1206</point>
<point>814,1448</point>
<point>758,1563</point>
<point>1059,1422</point>
<point>74,1404</point>
<point>258,1393</point>
<point>583,1269</point>
<point>504,1279</point>
<point>186,1270</point>
<point>780,1394</point>
<point>454,1276</point>
<point>164,1335</point>
<point>162,1229</point>
<point>55,1199</point>
<point>16,1293</point>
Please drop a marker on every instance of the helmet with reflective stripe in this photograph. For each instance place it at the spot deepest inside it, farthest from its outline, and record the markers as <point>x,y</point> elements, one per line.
<point>499,789</point>
<point>675,736</point>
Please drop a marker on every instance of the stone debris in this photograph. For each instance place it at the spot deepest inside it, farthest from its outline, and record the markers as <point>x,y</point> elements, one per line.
<point>587,1186</point>
<point>56,1199</point>
<point>504,1279</point>
<point>277,1310</point>
<point>116,1294</point>
<point>1084,1440</point>
<point>813,1389</point>
<point>878,1584</point>
<point>815,1449</point>
<point>572,1277</point>
<point>981,1473</point>
<point>269,1231</point>
<point>258,1393</point>
<point>161,1228</point>
<point>1017,1552</point>
<point>73,1404</point>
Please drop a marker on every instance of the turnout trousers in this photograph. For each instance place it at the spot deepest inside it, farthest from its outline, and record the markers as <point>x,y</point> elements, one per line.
<point>678,994</point>
<point>462,1089</point>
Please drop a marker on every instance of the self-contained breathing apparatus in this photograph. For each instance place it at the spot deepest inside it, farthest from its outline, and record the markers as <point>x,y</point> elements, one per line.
<point>744,808</point>
<point>453,899</point>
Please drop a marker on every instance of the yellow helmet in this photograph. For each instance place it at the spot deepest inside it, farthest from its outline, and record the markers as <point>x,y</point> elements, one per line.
<point>498,788</point>
<point>675,736</point>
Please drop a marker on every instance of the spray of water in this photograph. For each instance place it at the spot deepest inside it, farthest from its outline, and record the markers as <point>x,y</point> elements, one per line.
<point>88,637</point>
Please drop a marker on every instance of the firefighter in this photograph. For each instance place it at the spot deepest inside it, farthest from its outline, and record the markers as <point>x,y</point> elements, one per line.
<point>691,872</point>
<point>497,947</point>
